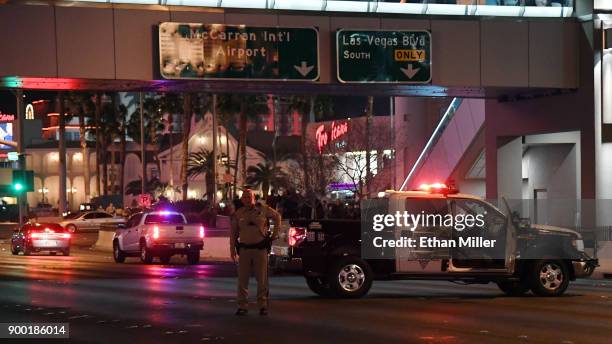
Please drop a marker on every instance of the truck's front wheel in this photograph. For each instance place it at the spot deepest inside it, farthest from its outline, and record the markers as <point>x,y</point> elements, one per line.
<point>318,286</point>
<point>350,277</point>
<point>548,277</point>
<point>118,255</point>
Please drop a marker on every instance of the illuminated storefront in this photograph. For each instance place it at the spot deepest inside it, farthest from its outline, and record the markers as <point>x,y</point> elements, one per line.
<point>343,145</point>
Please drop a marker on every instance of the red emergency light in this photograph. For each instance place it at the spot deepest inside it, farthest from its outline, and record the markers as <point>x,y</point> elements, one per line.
<point>438,188</point>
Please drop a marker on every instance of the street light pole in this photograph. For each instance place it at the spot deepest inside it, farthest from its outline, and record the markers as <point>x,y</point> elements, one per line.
<point>142,147</point>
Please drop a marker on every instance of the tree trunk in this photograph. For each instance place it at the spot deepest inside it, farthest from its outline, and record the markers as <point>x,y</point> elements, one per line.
<point>243,137</point>
<point>105,168</point>
<point>98,140</point>
<point>209,186</point>
<point>113,169</point>
<point>85,160</point>
<point>368,128</point>
<point>122,155</point>
<point>227,165</point>
<point>236,169</point>
<point>185,147</point>
<point>62,154</point>
<point>265,189</point>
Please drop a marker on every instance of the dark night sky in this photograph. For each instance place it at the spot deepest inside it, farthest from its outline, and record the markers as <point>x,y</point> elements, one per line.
<point>8,102</point>
<point>348,106</point>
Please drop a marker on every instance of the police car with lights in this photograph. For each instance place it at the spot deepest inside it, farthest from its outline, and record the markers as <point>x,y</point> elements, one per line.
<point>340,258</point>
<point>158,234</point>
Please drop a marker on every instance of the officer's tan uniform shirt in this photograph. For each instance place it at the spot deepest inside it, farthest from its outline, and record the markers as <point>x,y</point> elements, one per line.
<point>251,226</point>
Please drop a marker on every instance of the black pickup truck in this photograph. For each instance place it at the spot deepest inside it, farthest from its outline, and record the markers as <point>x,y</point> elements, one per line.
<point>543,259</point>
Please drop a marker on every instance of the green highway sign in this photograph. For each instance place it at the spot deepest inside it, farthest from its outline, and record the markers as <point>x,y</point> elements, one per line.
<point>383,56</point>
<point>218,51</point>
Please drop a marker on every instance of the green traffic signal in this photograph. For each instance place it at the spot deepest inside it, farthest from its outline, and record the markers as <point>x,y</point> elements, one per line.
<point>23,181</point>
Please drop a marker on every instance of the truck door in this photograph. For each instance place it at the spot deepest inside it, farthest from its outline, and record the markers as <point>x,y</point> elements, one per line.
<point>419,259</point>
<point>131,236</point>
<point>487,236</point>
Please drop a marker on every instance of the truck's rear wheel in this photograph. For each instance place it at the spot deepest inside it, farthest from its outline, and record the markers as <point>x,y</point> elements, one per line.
<point>193,257</point>
<point>548,277</point>
<point>513,288</point>
<point>318,286</point>
<point>145,254</point>
<point>350,277</point>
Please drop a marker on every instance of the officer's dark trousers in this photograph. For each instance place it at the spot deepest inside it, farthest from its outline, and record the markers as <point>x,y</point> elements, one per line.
<point>253,260</point>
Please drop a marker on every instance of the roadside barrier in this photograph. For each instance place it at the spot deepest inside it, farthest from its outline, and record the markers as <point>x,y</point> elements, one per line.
<point>105,238</point>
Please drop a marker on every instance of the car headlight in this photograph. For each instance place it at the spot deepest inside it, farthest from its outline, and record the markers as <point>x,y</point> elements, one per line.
<point>578,244</point>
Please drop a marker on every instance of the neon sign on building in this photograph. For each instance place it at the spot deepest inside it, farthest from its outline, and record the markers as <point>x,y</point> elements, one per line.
<point>326,136</point>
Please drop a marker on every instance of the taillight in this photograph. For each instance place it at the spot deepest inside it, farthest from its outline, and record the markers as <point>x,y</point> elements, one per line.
<point>155,232</point>
<point>36,235</point>
<point>65,235</point>
<point>296,235</point>
<point>201,232</point>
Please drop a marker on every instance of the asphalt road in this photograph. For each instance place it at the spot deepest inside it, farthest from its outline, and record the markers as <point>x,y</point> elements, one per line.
<point>106,302</point>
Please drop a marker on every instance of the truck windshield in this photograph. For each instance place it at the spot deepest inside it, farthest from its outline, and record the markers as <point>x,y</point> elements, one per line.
<point>172,219</point>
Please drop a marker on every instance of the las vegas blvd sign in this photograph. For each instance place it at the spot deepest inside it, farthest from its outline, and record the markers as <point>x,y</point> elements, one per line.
<point>383,56</point>
<point>218,51</point>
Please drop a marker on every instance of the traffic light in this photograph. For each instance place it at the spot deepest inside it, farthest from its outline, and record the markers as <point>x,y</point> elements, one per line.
<point>17,186</point>
<point>23,181</point>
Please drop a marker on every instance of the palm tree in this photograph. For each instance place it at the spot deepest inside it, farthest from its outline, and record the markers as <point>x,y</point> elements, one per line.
<point>265,175</point>
<point>154,125</point>
<point>109,130</point>
<point>201,162</point>
<point>193,105</point>
<point>98,135</point>
<point>122,111</point>
<point>250,107</point>
<point>227,111</point>
<point>171,104</point>
<point>82,105</point>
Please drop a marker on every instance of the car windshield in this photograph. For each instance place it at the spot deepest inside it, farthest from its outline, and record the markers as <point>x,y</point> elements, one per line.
<point>164,219</point>
<point>72,215</point>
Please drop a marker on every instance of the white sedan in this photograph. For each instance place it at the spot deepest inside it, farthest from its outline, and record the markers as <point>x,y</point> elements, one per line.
<point>91,220</point>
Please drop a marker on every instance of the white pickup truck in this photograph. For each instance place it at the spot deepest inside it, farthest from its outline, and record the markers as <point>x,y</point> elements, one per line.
<point>158,234</point>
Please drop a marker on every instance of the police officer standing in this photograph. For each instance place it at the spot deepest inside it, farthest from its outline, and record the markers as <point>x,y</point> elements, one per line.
<point>251,241</point>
